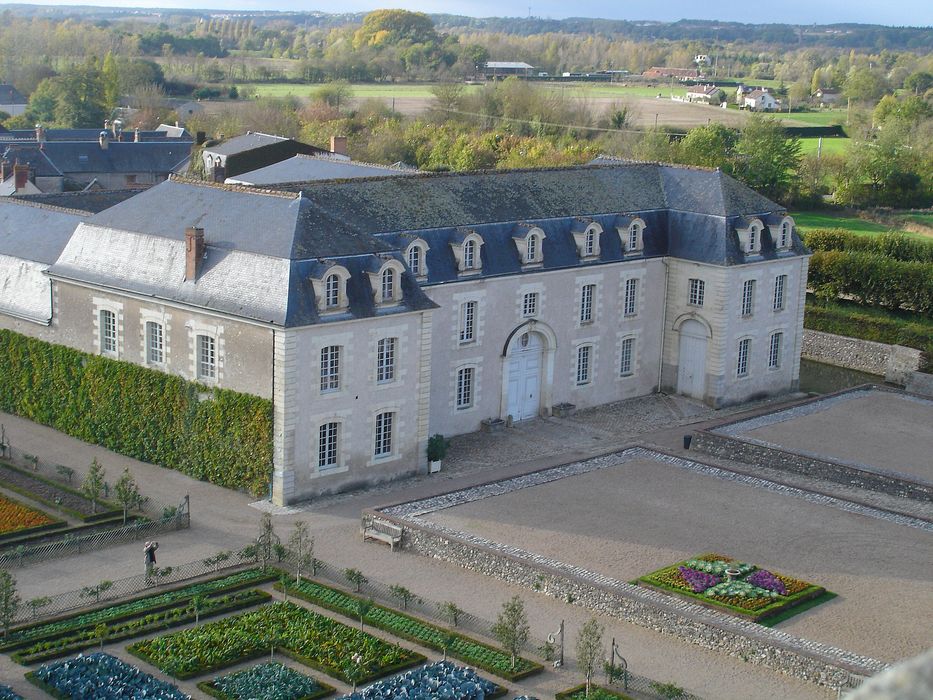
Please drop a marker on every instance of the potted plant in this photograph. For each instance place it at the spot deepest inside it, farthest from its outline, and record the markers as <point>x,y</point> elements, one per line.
<point>437,450</point>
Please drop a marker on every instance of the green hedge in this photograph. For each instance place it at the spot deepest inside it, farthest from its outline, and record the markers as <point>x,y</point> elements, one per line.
<point>893,244</point>
<point>874,279</point>
<point>139,412</point>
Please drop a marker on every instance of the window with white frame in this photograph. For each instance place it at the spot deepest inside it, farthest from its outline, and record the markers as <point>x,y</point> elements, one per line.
<point>465,387</point>
<point>469,255</point>
<point>774,351</point>
<point>784,235</point>
<point>696,293</point>
<point>531,251</point>
<point>206,357</point>
<point>584,358</point>
<point>748,297</point>
<point>330,368</point>
<point>530,304</point>
<point>155,347</point>
<point>627,357</point>
<point>754,239</point>
<point>416,260</point>
<point>108,332</point>
<point>589,243</point>
<point>332,292</point>
<point>630,302</point>
<point>780,285</point>
<point>586,302</point>
<point>385,360</point>
<point>741,368</point>
<point>328,445</point>
<point>468,322</point>
<point>388,284</point>
<point>634,237</point>
<point>383,436</point>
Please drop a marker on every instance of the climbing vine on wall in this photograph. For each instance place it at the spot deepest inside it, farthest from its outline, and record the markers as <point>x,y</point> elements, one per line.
<point>220,436</point>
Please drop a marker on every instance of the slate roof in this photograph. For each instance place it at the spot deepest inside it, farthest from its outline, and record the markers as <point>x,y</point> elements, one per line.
<point>9,95</point>
<point>90,201</point>
<point>304,168</point>
<point>94,134</point>
<point>37,158</point>
<point>35,232</point>
<point>245,142</point>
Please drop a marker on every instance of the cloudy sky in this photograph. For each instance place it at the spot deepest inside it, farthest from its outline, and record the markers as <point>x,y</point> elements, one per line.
<point>900,12</point>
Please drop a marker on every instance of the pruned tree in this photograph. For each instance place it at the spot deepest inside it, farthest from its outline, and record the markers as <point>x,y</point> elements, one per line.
<point>355,576</point>
<point>511,628</point>
<point>36,604</point>
<point>9,600</point>
<point>403,594</point>
<point>267,540</point>
<point>93,484</point>
<point>590,650</point>
<point>362,610</point>
<point>127,493</point>
<point>450,612</point>
<point>301,545</point>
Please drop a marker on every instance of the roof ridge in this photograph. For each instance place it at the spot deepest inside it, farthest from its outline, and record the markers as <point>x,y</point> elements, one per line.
<point>42,205</point>
<point>181,179</point>
<point>661,163</point>
<point>329,158</point>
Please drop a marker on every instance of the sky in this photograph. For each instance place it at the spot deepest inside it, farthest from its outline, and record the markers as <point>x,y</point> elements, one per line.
<point>900,12</point>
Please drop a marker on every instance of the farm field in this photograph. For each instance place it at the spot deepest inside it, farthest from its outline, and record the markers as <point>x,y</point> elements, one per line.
<point>807,220</point>
<point>835,146</point>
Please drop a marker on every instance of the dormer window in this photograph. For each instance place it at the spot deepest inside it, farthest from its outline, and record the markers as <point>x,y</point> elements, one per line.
<point>587,239</point>
<point>531,253</point>
<point>754,239</point>
<point>589,243</point>
<point>529,242</point>
<point>330,289</point>
<point>633,237</point>
<point>469,255</point>
<point>416,258</point>
<point>750,238</point>
<point>388,285</point>
<point>386,281</point>
<point>467,252</point>
<point>784,235</point>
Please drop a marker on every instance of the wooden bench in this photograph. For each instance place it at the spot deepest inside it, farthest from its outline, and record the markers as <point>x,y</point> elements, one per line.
<point>382,531</point>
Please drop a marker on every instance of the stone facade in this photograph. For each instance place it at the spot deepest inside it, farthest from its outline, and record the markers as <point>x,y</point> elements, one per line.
<point>893,362</point>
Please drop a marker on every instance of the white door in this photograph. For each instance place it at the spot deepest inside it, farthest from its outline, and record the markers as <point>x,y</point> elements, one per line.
<point>691,369</point>
<point>525,376</point>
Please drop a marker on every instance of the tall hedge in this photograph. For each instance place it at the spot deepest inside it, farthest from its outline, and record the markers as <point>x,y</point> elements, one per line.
<point>216,435</point>
<point>892,244</point>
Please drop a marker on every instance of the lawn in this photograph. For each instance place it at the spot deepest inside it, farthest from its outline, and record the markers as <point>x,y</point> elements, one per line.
<point>825,117</point>
<point>832,146</point>
<point>827,219</point>
<point>362,91</point>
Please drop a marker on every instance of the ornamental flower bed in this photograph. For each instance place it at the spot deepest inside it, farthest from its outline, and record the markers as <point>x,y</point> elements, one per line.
<point>438,680</point>
<point>465,648</point>
<point>49,630</point>
<point>268,681</point>
<point>307,637</point>
<point>15,516</point>
<point>7,693</point>
<point>754,593</point>
<point>102,677</point>
<point>58,496</point>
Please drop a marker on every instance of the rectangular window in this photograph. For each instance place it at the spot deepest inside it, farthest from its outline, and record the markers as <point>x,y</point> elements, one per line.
<point>465,387</point>
<point>697,291</point>
<point>628,353</point>
<point>207,357</point>
<point>780,283</point>
<point>468,322</point>
<point>530,304</point>
<point>586,303</point>
<point>742,364</point>
<point>414,259</point>
<point>631,297</point>
<point>633,237</point>
<point>154,346</point>
<point>385,360</point>
<point>748,297</point>
<point>583,364</point>
<point>330,368</point>
<point>383,444</point>
<point>774,353</point>
<point>108,332</point>
<point>327,445</point>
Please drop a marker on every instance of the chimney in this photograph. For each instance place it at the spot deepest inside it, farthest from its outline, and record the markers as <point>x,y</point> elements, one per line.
<point>40,135</point>
<point>20,175</point>
<point>104,140</point>
<point>5,169</point>
<point>200,138</point>
<point>338,144</point>
<point>136,135</point>
<point>194,251</point>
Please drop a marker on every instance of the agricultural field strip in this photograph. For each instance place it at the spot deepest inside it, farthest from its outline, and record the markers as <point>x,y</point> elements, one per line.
<point>405,626</point>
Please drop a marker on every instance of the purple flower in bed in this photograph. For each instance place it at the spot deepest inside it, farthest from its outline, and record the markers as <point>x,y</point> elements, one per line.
<point>699,581</point>
<point>765,579</point>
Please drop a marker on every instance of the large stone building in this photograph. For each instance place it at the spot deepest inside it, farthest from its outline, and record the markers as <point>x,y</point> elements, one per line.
<point>374,312</point>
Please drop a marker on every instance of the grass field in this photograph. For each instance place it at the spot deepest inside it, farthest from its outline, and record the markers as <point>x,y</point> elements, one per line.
<point>827,219</point>
<point>831,146</point>
<point>363,91</point>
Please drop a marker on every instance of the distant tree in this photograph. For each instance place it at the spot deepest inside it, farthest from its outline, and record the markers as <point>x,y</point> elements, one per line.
<point>93,484</point>
<point>450,611</point>
<point>590,650</point>
<point>9,600</point>
<point>765,158</point>
<point>710,146</point>
<point>919,82</point>
<point>448,95</point>
<point>394,27</point>
<point>110,80</point>
<point>334,93</point>
<point>864,85</point>
<point>81,97</point>
<point>511,628</point>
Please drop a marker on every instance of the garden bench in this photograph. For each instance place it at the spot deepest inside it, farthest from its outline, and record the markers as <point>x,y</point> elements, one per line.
<point>381,530</point>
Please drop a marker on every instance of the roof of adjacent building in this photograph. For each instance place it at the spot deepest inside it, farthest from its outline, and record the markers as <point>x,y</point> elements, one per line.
<point>246,142</point>
<point>175,134</point>
<point>508,64</point>
<point>90,201</point>
<point>67,157</point>
<point>264,245</point>
<point>9,95</point>
<point>304,168</point>
<point>35,232</point>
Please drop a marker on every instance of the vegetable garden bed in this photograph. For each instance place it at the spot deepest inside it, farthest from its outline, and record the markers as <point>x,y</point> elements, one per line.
<point>578,692</point>
<point>55,628</point>
<point>402,625</point>
<point>7,693</point>
<point>17,519</point>
<point>46,491</point>
<point>268,681</point>
<point>307,637</point>
<point>438,680</point>
<point>753,593</point>
<point>102,677</point>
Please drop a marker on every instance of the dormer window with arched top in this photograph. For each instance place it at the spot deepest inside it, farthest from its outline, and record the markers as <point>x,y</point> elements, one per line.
<point>386,281</point>
<point>468,253</point>
<point>531,253</point>
<point>330,289</point>
<point>416,258</point>
<point>529,241</point>
<point>783,233</point>
<point>633,237</point>
<point>388,284</point>
<point>586,237</point>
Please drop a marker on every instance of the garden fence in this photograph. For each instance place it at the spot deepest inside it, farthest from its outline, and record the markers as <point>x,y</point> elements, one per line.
<point>150,518</point>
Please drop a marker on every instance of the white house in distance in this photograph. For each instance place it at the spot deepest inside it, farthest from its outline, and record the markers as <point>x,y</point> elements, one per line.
<point>376,311</point>
<point>759,100</point>
<point>12,101</point>
<point>705,94</point>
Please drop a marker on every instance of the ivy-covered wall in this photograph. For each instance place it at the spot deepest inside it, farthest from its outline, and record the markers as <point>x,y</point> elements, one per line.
<point>225,439</point>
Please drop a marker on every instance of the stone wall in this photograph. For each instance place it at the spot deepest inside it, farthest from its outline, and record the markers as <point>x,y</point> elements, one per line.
<point>774,458</point>
<point>893,362</point>
<point>807,660</point>
<point>920,383</point>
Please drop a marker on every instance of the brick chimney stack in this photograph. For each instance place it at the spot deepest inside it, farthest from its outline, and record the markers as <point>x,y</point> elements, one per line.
<point>5,170</point>
<point>194,251</point>
<point>20,175</point>
<point>40,135</point>
<point>338,144</point>
<point>104,140</point>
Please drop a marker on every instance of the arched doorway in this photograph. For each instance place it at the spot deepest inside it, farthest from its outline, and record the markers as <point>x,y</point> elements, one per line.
<point>523,367</point>
<point>691,362</point>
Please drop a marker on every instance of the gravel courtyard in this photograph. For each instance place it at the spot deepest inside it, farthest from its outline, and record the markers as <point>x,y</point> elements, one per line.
<point>628,520</point>
<point>875,428</point>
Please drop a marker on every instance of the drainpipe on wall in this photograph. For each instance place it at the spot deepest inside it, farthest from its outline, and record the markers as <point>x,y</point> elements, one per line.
<point>667,278</point>
<point>272,475</point>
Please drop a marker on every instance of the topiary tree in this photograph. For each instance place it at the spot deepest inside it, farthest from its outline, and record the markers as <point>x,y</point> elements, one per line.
<point>589,650</point>
<point>9,600</point>
<point>511,628</point>
<point>127,493</point>
<point>93,484</point>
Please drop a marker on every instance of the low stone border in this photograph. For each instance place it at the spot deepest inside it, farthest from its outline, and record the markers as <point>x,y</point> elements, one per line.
<point>808,660</point>
<point>730,442</point>
<point>893,362</point>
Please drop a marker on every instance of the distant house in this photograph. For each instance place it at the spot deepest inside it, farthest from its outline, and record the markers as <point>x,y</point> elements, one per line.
<point>760,100</point>
<point>679,73</point>
<point>251,151</point>
<point>503,69</point>
<point>827,97</point>
<point>706,94</point>
<point>12,100</point>
<point>186,110</point>
<point>302,168</point>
